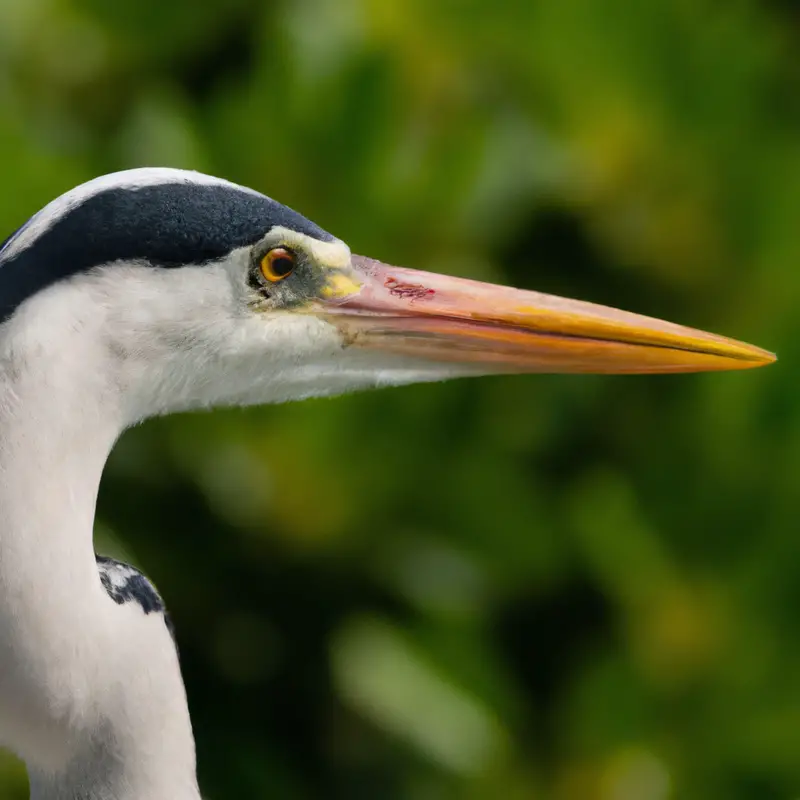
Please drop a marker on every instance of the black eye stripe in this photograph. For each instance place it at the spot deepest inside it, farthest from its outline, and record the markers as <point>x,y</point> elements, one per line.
<point>166,225</point>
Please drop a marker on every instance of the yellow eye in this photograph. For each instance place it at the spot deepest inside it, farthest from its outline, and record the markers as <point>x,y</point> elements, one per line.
<point>278,264</point>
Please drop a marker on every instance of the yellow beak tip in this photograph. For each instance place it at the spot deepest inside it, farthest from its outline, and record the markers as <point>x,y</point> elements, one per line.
<point>756,358</point>
<point>768,358</point>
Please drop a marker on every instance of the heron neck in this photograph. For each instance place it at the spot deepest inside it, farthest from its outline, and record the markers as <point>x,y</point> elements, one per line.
<point>91,695</point>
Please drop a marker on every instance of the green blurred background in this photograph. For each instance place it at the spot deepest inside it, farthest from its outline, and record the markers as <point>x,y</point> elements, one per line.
<point>566,588</point>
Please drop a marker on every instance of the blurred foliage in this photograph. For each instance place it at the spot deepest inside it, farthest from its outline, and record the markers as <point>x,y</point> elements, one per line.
<point>572,588</point>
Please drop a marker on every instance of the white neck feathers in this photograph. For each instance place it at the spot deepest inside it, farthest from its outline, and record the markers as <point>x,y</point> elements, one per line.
<point>91,695</point>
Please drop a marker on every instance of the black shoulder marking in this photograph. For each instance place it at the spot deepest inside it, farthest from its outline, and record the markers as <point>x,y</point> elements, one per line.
<point>125,584</point>
<point>167,225</point>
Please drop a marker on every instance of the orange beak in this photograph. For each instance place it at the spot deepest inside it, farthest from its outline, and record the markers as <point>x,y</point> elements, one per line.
<point>498,329</point>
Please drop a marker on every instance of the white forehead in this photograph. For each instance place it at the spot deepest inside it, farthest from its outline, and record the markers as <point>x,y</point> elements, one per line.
<point>126,179</point>
<point>334,253</point>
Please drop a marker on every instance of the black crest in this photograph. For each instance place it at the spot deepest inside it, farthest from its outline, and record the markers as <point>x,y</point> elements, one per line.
<point>168,224</point>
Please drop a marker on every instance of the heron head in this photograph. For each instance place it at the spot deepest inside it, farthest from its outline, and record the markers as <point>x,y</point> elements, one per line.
<point>195,291</point>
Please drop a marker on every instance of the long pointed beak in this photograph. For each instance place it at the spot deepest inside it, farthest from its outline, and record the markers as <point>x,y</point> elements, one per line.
<point>499,329</point>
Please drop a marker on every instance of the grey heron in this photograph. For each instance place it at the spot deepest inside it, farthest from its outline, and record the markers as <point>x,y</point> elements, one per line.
<point>156,290</point>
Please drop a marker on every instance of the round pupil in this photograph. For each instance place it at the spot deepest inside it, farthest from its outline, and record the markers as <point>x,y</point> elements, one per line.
<point>281,263</point>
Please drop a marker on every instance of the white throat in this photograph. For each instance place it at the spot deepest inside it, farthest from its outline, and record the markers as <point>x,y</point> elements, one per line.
<point>91,695</point>
<point>90,692</point>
